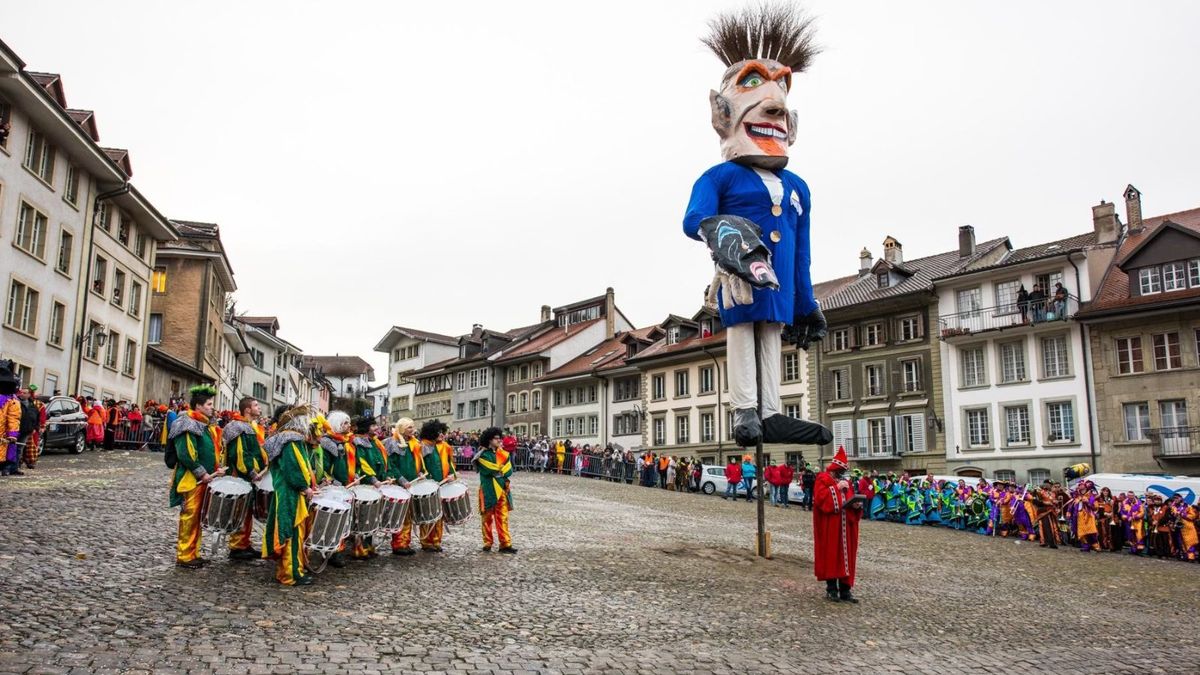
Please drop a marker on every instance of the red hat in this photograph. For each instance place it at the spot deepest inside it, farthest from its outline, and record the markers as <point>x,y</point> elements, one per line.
<point>839,460</point>
<point>509,443</point>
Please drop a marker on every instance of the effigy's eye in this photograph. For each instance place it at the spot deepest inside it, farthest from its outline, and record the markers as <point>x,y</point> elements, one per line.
<point>751,81</point>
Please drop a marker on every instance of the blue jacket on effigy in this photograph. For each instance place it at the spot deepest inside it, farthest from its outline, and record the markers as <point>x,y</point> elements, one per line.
<point>732,189</point>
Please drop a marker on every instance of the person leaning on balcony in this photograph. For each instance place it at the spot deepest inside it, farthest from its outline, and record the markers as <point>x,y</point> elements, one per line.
<point>1023,303</point>
<point>1060,301</point>
<point>1037,301</point>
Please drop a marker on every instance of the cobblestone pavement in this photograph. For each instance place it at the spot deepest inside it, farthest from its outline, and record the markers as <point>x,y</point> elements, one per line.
<point>610,579</point>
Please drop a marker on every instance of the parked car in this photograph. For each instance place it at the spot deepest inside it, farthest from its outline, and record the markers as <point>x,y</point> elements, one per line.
<point>65,425</point>
<point>712,481</point>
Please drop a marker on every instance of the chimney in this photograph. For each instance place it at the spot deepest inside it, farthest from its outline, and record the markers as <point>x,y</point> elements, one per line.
<point>545,313</point>
<point>1104,220</point>
<point>477,331</point>
<point>966,241</point>
<point>864,262</point>
<point>1133,208</point>
<point>610,314</point>
<point>892,251</point>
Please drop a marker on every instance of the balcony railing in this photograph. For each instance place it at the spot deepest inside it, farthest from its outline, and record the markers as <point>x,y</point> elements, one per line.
<point>1001,317</point>
<point>871,451</point>
<point>1175,442</point>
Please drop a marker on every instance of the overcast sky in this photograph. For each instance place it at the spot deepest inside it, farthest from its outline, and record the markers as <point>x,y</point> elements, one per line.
<point>448,163</point>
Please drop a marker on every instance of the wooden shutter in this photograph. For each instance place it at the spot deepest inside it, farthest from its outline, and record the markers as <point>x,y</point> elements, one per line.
<point>841,434</point>
<point>899,444</point>
<point>861,441</point>
<point>918,425</point>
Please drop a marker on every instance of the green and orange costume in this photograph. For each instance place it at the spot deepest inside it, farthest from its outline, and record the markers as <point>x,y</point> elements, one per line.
<point>439,465</point>
<point>287,513</point>
<point>198,452</point>
<point>245,458</point>
<point>495,501</point>
<point>403,466</point>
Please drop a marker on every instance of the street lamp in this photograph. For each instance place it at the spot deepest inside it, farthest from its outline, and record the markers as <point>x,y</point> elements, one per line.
<point>96,333</point>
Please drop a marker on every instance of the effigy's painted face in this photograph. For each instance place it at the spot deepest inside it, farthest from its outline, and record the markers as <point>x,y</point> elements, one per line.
<point>750,113</point>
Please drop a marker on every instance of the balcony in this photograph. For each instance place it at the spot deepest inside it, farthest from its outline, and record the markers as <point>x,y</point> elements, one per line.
<point>1003,317</point>
<point>875,451</point>
<point>1175,442</point>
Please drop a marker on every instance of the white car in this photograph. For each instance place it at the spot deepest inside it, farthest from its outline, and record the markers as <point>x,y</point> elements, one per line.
<point>712,481</point>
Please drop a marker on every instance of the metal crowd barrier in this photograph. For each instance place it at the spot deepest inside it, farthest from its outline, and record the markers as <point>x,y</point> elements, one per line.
<point>146,436</point>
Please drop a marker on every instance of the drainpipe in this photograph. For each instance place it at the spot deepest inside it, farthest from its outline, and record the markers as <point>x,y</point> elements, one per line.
<point>603,408</point>
<point>720,413</point>
<point>87,279</point>
<point>1087,373</point>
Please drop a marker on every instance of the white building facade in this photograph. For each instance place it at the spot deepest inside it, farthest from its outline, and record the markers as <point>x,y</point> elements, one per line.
<point>410,350</point>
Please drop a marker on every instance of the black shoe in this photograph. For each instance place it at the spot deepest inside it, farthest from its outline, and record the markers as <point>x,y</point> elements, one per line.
<point>18,472</point>
<point>832,596</point>
<point>487,549</point>
<point>244,554</point>
<point>747,428</point>
<point>337,560</point>
<point>508,549</point>
<point>845,596</point>
<point>432,549</point>
<point>192,564</point>
<point>403,551</point>
<point>780,428</point>
<point>304,581</point>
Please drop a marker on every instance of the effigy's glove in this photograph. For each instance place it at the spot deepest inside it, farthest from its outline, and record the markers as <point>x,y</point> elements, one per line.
<point>737,248</point>
<point>807,329</point>
<point>734,290</point>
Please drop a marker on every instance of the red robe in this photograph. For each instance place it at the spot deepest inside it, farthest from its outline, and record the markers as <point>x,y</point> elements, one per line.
<point>835,530</point>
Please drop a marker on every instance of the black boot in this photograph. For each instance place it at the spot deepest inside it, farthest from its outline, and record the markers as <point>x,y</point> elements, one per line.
<point>845,596</point>
<point>747,429</point>
<point>783,429</point>
<point>337,560</point>
<point>831,590</point>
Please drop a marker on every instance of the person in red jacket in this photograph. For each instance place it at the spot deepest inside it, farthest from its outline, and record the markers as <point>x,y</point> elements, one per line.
<point>784,475</point>
<point>769,476</point>
<point>835,529</point>
<point>733,476</point>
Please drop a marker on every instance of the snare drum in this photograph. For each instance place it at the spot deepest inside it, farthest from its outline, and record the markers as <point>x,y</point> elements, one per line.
<point>330,525</point>
<point>366,509</point>
<point>264,491</point>
<point>337,492</point>
<point>456,503</point>
<point>426,507</point>
<point>227,500</point>
<point>395,507</point>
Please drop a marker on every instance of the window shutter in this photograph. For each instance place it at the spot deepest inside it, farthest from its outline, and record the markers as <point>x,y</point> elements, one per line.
<point>918,425</point>
<point>827,386</point>
<point>898,426</point>
<point>841,434</point>
<point>861,441</point>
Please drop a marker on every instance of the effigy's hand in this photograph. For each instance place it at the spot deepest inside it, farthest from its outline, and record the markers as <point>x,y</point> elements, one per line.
<point>734,290</point>
<point>737,248</point>
<point>807,329</point>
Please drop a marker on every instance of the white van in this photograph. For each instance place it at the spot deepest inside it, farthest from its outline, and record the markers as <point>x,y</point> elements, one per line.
<point>1140,484</point>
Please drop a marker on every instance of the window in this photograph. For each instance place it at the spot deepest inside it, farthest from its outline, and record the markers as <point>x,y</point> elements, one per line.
<point>974,370</point>
<point>111,347</point>
<point>130,357</point>
<point>1194,272</point>
<point>1016,424</point>
<point>118,289</point>
<point>1174,414</point>
<point>626,424</point>
<point>158,280</point>
<point>99,275</point>
<point>881,280</point>
<point>1137,421</point>
<point>5,122</point>
<point>706,380</point>
<point>460,411</point>
<point>537,399</point>
<point>593,425</point>
<point>123,228</point>
<point>1006,296</point>
<point>682,426</point>
<point>260,391</point>
<point>1148,281</point>
<point>840,384</point>
<point>66,241</point>
<point>978,434</point>
<point>707,427</point>
<point>1038,476</point>
<point>874,378</point>
<point>512,404</point>
<point>31,231</point>
<point>793,411</point>
<point>1173,277</point>
<point>660,431</point>
<point>1006,475</point>
<point>1047,282</point>
<point>22,308</point>
<point>681,383</point>
<point>970,300</point>
<point>568,396</point>
<point>139,246</point>
<point>912,375</point>
<point>672,335</point>
<point>1060,422</point>
<point>524,401</point>
<point>1129,355</point>
<point>1166,351</point>
<point>1012,362</point>
<point>874,332</point>
<point>460,381</point>
<point>843,435</point>
<point>39,156</point>
<point>524,373</point>
<point>658,387</point>
<point>910,433</point>
<point>1055,362</point>
<point>840,339</point>
<point>156,329</point>
<point>879,436</point>
<point>102,217</point>
<point>58,321</point>
<point>910,328</point>
<point>791,366</point>
<point>627,388</point>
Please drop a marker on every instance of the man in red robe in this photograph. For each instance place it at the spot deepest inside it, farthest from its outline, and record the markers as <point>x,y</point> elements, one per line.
<point>835,529</point>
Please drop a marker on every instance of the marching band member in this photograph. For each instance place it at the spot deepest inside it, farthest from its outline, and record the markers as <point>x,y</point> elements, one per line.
<point>404,466</point>
<point>438,459</point>
<point>371,465</point>
<point>287,513</point>
<point>199,459</point>
<point>245,459</point>
<point>10,419</point>
<point>495,470</point>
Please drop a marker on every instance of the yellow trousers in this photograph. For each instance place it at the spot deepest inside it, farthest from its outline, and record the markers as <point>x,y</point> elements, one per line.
<point>403,539</point>
<point>187,548</point>
<point>495,518</point>
<point>363,546</point>
<point>431,535</point>
<point>292,560</point>
<point>240,540</point>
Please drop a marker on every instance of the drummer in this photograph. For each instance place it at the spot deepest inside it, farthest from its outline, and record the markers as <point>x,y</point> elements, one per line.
<point>372,465</point>
<point>404,466</point>
<point>438,458</point>
<point>199,457</point>
<point>335,444</point>
<point>495,502</point>
<point>287,513</point>
<point>245,459</point>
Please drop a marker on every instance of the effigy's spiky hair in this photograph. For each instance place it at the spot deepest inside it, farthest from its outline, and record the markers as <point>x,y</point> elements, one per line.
<point>779,31</point>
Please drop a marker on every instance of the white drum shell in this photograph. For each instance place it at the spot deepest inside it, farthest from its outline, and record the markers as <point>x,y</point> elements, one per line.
<point>425,504</point>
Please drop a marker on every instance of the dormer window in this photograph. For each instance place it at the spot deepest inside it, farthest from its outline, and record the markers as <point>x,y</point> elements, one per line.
<point>1173,278</point>
<point>1148,282</point>
<point>672,335</point>
<point>631,350</point>
<point>881,280</point>
<point>706,328</point>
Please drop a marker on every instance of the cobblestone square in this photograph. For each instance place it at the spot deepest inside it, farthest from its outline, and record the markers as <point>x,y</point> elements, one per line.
<point>609,579</point>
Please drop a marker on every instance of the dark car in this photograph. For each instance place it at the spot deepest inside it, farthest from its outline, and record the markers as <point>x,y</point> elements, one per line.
<point>66,424</point>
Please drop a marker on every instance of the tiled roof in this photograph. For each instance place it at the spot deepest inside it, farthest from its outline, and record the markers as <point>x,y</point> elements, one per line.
<point>1049,249</point>
<point>607,355</point>
<point>661,348</point>
<point>120,157</point>
<point>924,270</point>
<point>86,119</point>
<point>546,340</point>
<point>338,365</point>
<point>823,289</point>
<point>190,228</point>
<point>418,334</point>
<point>433,367</point>
<point>1114,295</point>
